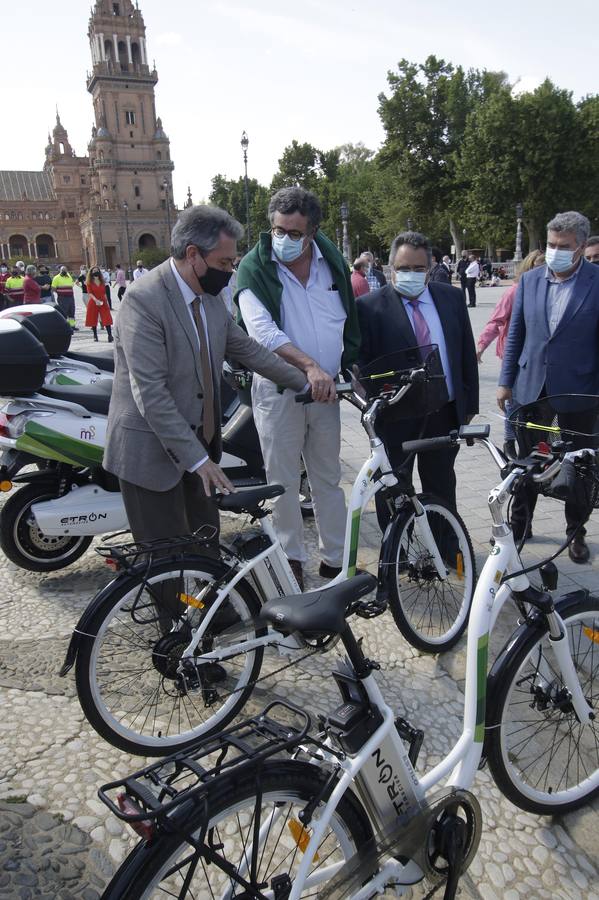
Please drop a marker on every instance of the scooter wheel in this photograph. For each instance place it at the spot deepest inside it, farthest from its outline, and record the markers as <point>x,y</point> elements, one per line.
<point>23,542</point>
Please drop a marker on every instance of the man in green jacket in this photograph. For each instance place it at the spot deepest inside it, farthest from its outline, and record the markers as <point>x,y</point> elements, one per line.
<point>295,297</point>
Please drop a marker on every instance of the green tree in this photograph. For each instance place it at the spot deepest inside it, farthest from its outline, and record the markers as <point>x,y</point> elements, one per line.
<point>425,117</point>
<point>230,195</point>
<point>152,256</point>
<point>525,149</point>
<point>299,165</point>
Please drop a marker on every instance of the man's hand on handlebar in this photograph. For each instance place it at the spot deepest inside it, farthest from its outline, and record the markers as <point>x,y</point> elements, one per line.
<point>504,395</point>
<point>322,385</point>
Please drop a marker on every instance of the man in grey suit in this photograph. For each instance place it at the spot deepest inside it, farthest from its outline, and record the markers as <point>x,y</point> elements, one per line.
<point>172,335</point>
<point>552,348</point>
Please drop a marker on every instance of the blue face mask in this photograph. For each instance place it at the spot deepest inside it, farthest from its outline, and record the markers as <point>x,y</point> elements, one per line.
<point>410,284</point>
<point>559,260</point>
<point>287,249</point>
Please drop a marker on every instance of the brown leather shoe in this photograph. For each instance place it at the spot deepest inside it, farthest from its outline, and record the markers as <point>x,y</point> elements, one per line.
<point>578,551</point>
<point>296,568</point>
<point>327,571</point>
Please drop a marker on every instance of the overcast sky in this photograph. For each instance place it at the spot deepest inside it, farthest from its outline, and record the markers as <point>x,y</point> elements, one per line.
<point>309,70</point>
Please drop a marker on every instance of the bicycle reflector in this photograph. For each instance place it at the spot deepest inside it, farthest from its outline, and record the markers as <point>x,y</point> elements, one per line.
<point>300,836</point>
<point>143,827</point>
<point>190,600</point>
<point>591,633</point>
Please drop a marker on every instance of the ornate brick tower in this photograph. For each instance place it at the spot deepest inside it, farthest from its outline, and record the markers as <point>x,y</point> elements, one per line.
<point>131,197</point>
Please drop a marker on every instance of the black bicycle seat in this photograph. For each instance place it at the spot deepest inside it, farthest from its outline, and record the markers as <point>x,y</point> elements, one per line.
<point>248,499</point>
<point>94,397</point>
<point>318,612</point>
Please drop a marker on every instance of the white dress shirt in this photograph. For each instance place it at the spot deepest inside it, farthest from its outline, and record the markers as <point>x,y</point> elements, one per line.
<point>473,270</point>
<point>312,317</point>
<point>137,273</point>
<point>559,293</point>
<point>189,296</point>
<point>429,311</point>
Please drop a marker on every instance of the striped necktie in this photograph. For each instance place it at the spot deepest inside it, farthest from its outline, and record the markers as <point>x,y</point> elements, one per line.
<point>421,330</point>
<point>208,418</point>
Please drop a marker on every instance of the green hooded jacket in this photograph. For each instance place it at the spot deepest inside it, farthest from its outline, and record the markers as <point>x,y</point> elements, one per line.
<point>258,273</point>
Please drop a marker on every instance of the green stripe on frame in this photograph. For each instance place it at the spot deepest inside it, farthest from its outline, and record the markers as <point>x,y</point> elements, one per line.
<point>353,542</point>
<point>74,450</point>
<point>482,654</point>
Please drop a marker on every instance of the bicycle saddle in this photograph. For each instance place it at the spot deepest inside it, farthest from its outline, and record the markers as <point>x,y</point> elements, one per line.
<point>94,397</point>
<point>247,499</point>
<point>318,612</point>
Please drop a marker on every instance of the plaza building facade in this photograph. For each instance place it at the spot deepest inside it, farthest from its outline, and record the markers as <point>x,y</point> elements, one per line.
<point>106,206</point>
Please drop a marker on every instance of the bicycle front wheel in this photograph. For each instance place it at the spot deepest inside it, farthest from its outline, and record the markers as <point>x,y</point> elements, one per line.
<point>128,670</point>
<point>540,755</point>
<point>256,836</point>
<point>431,612</point>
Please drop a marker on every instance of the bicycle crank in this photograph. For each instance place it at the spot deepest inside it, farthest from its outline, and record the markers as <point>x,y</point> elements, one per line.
<point>432,836</point>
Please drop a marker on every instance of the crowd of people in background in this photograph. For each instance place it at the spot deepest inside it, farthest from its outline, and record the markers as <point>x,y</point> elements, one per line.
<point>31,283</point>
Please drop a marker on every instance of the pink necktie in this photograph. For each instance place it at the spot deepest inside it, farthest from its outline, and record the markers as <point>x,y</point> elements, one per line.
<point>423,335</point>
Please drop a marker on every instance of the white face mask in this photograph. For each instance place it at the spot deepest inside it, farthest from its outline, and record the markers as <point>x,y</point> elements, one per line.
<point>559,260</point>
<point>410,284</point>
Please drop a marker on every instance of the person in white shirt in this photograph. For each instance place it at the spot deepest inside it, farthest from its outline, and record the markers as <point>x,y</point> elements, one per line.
<point>472,275</point>
<point>294,294</point>
<point>107,276</point>
<point>139,270</point>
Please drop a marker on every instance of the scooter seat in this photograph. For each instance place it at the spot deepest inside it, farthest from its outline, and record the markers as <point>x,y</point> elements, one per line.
<point>318,612</point>
<point>95,398</point>
<point>248,499</point>
<point>104,359</point>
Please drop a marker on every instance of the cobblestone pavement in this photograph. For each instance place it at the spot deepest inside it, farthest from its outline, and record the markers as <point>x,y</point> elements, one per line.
<point>58,841</point>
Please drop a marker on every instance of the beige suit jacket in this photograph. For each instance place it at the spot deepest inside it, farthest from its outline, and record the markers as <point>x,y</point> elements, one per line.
<point>156,406</point>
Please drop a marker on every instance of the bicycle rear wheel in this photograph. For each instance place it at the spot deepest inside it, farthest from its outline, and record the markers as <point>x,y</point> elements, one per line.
<point>127,669</point>
<point>431,613</point>
<point>541,757</point>
<point>170,866</point>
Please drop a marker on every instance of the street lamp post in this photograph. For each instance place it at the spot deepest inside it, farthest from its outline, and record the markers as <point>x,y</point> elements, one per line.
<point>519,214</point>
<point>357,245</point>
<point>464,235</point>
<point>126,210</point>
<point>409,224</point>
<point>245,142</point>
<point>165,185</point>
<point>338,236</point>
<point>344,221</point>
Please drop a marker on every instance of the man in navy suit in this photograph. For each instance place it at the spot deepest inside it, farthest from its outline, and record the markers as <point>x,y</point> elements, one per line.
<point>413,311</point>
<point>552,348</point>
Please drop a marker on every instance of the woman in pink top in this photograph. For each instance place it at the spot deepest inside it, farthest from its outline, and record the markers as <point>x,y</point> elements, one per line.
<point>32,290</point>
<point>498,327</point>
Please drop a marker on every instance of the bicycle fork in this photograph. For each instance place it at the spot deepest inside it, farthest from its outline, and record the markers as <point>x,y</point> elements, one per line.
<point>558,638</point>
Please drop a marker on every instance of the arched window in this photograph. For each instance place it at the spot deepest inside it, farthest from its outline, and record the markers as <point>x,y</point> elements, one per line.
<point>45,247</point>
<point>18,245</point>
<point>123,58</point>
<point>135,54</point>
<point>108,50</point>
<point>158,154</point>
<point>147,242</point>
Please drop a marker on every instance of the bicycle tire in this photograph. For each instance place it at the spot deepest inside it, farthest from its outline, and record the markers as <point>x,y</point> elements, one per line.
<point>548,754</point>
<point>153,661</point>
<point>146,866</point>
<point>431,614</point>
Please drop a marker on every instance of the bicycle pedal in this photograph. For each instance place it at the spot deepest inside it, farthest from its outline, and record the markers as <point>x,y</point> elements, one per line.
<point>413,736</point>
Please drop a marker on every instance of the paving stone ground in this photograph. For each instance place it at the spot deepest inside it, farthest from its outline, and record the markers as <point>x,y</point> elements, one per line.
<point>58,841</point>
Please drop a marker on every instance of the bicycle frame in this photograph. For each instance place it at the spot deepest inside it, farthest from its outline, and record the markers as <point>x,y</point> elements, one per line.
<point>270,570</point>
<point>383,765</point>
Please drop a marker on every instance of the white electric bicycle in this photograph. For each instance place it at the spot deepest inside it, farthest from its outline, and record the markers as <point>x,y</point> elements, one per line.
<point>274,811</point>
<point>152,687</point>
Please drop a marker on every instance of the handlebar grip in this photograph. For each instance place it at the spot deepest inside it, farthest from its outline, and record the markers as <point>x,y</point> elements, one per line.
<point>563,483</point>
<point>304,397</point>
<point>432,443</point>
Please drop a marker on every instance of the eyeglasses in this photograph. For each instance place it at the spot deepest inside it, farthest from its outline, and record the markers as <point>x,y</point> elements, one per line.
<point>293,234</point>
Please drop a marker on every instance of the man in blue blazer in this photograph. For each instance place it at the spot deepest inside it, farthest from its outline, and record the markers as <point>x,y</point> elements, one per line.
<point>553,348</point>
<point>413,311</point>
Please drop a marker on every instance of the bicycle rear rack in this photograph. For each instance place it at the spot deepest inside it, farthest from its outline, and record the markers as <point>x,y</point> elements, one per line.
<point>185,776</point>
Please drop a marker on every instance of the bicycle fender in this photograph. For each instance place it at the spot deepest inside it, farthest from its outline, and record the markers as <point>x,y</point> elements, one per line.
<point>82,628</point>
<point>506,658</point>
<point>385,567</point>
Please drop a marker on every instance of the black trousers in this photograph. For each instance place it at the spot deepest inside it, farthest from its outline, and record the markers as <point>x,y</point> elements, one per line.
<point>525,499</point>
<point>435,467</point>
<point>463,285</point>
<point>120,292</point>
<point>167,514</point>
<point>471,285</point>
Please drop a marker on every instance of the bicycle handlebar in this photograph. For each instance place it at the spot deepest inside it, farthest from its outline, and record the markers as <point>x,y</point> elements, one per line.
<point>340,389</point>
<point>432,443</point>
